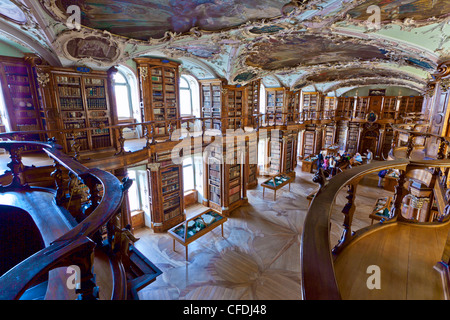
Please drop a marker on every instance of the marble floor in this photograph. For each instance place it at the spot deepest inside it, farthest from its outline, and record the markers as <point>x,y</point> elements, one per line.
<point>259,255</point>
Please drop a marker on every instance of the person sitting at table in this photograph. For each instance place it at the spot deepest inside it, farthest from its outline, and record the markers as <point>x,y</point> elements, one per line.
<point>355,160</point>
<point>332,166</point>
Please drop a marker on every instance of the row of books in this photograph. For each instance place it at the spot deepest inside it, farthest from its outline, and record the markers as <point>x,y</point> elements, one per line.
<point>101,141</point>
<point>97,103</point>
<point>95,92</point>
<point>69,91</point>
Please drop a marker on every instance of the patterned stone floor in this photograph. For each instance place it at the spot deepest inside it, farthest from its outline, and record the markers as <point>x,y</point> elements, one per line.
<point>258,257</point>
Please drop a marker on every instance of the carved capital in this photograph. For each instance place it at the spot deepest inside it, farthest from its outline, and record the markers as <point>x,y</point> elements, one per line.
<point>154,166</point>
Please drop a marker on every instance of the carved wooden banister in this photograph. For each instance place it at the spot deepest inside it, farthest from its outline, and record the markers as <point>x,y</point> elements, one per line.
<point>76,246</point>
<point>318,277</point>
<point>59,254</point>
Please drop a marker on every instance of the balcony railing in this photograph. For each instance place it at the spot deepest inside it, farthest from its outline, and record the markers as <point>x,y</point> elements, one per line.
<point>76,247</point>
<point>318,254</point>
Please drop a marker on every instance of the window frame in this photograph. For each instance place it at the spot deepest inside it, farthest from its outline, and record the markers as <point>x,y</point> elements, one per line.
<point>188,88</point>
<point>193,172</point>
<point>128,86</point>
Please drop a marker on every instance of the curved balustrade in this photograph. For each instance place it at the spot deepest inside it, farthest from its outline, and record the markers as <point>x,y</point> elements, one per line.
<point>317,255</point>
<point>76,246</point>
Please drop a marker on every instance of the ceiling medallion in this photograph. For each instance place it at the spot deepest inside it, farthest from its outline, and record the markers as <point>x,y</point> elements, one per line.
<point>87,46</point>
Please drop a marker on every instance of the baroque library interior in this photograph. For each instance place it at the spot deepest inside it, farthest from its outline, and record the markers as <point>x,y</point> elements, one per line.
<point>224,150</point>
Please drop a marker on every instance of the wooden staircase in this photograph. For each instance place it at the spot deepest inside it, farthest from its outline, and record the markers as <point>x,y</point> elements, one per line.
<point>141,272</point>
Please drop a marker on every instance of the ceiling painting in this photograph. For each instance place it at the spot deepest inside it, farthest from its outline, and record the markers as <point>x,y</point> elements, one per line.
<point>418,10</point>
<point>308,50</point>
<point>12,12</point>
<point>144,19</point>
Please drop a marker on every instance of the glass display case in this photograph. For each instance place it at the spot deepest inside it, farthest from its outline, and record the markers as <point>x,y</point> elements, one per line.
<point>277,182</point>
<point>195,227</point>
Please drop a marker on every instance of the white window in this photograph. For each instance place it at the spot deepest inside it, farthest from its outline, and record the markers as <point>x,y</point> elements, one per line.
<point>133,193</point>
<point>186,105</point>
<point>188,174</point>
<point>3,112</point>
<point>123,96</point>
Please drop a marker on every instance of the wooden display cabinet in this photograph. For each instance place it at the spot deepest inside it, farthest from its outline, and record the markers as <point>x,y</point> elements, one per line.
<point>159,86</point>
<point>21,97</point>
<point>196,227</point>
<point>76,98</point>
<point>275,183</point>
<point>166,195</point>
<point>224,186</point>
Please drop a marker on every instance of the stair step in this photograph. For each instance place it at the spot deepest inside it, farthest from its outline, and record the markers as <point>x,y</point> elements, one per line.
<point>37,292</point>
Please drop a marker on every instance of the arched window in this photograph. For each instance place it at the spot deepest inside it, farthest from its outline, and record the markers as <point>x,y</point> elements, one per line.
<point>123,96</point>
<point>186,105</point>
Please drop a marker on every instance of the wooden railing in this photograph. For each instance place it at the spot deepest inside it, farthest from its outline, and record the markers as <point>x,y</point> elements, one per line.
<point>317,254</point>
<point>76,247</point>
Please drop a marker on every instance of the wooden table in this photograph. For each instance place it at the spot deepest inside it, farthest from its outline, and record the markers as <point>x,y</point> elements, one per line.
<point>195,227</point>
<point>380,205</point>
<point>277,182</point>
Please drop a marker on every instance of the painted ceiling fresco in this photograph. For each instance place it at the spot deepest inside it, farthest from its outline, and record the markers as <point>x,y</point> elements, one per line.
<point>418,10</point>
<point>309,50</point>
<point>144,19</point>
<point>352,73</point>
<point>319,43</point>
<point>12,12</point>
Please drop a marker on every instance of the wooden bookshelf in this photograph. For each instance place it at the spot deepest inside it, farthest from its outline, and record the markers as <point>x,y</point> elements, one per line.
<point>309,142</point>
<point>362,108</point>
<point>252,161</point>
<point>276,105</point>
<point>409,104</point>
<point>159,86</point>
<point>211,100</point>
<point>292,106</point>
<point>389,108</point>
<point>21,98</point>
<point>166,192</point>
<point>290,142</point>
<point>252,100</point>
<point>233,107</point>
<point>345,107</point>
<point>225,189</point>
<point>73,98</point>
<point>329,107</point>
<point>341,134</point>
<point>352,138</point>
<point>312,105</point>
<point>283,152</point>
<point>330,132</point>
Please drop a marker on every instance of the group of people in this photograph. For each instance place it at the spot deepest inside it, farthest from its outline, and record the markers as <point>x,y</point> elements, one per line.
<point>331,163</point>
